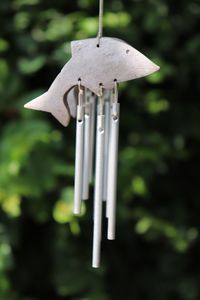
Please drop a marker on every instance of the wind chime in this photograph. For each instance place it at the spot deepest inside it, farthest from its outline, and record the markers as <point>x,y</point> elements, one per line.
<point>96,68</point>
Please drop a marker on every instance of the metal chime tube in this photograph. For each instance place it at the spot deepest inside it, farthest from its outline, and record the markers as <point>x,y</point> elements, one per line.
<point>79,154</point>
<point>112,170</point>
<point>92,134</point>
<point>87,141</point>
<point>106,148</point>
<point>98,194</point>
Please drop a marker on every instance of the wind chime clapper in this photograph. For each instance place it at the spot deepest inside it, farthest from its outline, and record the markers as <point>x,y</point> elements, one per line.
<point>96,68</point>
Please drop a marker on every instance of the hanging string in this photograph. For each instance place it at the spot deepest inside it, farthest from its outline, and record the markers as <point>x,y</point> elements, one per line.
<point>101,99</point>
<point>115,101</point>
<point>101,104</point>
<point>100,32</point>
<point>80,101</point>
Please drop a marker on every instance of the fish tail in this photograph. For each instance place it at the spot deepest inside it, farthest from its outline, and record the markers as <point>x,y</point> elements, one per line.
<point>49,104</point>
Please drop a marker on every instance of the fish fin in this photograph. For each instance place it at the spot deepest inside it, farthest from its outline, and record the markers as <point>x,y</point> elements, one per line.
<point>62,116</point>
<point>39,103</point>
<point>54,106</point>
<point>79,45</point>
<point>76,46</point>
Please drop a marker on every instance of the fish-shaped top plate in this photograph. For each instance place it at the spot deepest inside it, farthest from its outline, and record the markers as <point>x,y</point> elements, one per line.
<point>113,60</point>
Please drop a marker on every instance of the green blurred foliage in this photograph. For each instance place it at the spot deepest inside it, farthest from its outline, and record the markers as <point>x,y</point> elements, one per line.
<point>45,252</point>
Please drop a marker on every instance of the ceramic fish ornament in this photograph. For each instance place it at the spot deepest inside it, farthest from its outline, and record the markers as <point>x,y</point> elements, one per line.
<point>114,59</point>
<point>87,88</point>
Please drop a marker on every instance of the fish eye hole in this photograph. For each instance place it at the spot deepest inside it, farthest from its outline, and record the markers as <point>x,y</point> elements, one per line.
<point>127,51</point>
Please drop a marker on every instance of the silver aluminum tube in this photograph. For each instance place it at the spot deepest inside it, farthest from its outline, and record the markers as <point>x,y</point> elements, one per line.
<point>106,148</point>
<point>92,135</point>
<point>98,193</point>
<point>86,160</point>
<point>79,160</point>
<point>112,171</point>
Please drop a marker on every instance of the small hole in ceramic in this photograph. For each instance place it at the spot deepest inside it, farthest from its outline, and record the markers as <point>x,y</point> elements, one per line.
<point>115,118</point>
<point>127,51</point>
